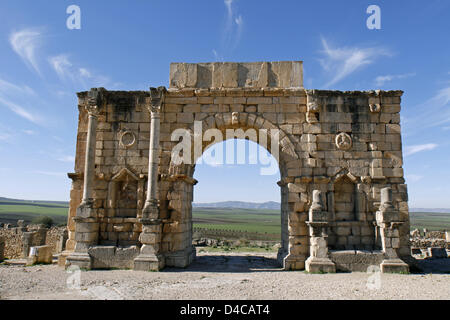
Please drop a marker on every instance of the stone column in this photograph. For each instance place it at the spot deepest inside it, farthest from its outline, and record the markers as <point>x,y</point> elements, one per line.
<point>150,257</point>
<point>388,221</point>
<point>318,223</point>
<point>86,224</point>
<point>150,210</point>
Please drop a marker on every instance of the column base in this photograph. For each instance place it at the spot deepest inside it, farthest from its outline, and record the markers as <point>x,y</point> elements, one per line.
<point>81,259</point>
<point>86,210</point>
<point>320,265</point>
<point>394,266</point>
<point>149,262</point>
<point>294,262</point>
<point>182,258</point>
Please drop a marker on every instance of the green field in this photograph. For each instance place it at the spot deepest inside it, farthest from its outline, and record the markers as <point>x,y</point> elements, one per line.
<point>13,210</point>
<point>247,220</point>
<point>268,221</point>
<point>430,220</point>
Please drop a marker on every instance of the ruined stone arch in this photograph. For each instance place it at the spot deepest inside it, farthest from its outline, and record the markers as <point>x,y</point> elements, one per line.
<point>179,204</point>
<point>321,131</point>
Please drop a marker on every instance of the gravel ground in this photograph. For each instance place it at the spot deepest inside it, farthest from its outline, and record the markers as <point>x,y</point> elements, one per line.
<point>221,276</point>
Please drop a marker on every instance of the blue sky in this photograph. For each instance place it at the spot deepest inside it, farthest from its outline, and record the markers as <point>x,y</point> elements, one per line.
<point>129,45</point>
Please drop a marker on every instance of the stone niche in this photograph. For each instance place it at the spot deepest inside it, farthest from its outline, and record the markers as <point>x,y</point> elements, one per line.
<point>123,195</point>
<point>131,203</point>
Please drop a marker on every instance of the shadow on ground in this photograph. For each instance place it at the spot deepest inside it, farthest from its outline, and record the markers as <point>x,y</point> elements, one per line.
<point>229,263</point>
<point>437,266</point>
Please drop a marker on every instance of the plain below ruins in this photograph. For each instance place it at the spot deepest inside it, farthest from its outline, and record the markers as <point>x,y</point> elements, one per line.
<point>344,201</point>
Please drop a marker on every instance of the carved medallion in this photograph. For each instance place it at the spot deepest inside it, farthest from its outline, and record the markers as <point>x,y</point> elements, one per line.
<point>375,107</point>
<point>127,139</point>
<point>343,141</point>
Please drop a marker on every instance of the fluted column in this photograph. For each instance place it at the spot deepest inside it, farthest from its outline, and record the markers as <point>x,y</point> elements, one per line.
<point>150,210</point>
<point>89,164</point>
<point>150,257</point>
<point>86,224</point>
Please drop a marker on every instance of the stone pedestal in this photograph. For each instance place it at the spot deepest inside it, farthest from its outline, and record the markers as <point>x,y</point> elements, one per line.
<point>181,258</point>
<point>394,266</point>
<point>319,265</point>
<point>293,262</point>
<point>318,223</point>
<point>319,260</point>
<point>86,235</point>
<point>388,220</point>
<point>82,260</point>
<point>150,258</point>
<point>149,262</point>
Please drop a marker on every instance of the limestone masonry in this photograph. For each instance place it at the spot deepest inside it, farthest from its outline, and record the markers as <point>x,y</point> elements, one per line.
<point>343,195</point>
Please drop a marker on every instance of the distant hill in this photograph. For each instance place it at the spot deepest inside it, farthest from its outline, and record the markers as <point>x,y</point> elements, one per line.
<point>271,205</point>
<point>276,206</point>
<point>42,203</point>
<point>437,210</point>
<point>240,204</point>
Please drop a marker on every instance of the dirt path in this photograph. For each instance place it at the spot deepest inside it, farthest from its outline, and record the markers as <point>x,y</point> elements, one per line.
<point>217,276</point>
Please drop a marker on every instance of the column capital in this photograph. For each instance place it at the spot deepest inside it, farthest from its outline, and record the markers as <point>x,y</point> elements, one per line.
<point>94,101</point>
<point>157,96</point>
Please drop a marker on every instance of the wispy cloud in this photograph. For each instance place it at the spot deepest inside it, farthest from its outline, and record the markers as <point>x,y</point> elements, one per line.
<point>5,136</point>
<point>381,80</point>
<point>413,177</point>
<point>10,93</point>
<point>6,86</point>
<point>66,159</point>
<point>232,31</point>
<point>51,173</point>
<point>341,62</point>
<point>433,112</point>
<point>20,111</point>
<point>216,56</point>
<point>29,132</point>
<point>68,71</point>
<point>25,43</point>
<point>409,150</point>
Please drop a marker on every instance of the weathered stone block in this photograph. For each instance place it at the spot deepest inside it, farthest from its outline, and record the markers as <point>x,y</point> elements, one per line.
<point>40,254</point>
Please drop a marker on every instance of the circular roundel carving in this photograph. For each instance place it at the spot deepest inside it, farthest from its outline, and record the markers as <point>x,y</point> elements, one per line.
<point>343,141</point>
<point>374,108</point>
<point>127,139</point>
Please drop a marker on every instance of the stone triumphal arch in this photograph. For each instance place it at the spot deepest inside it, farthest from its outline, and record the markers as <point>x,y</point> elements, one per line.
<point>343,195</point>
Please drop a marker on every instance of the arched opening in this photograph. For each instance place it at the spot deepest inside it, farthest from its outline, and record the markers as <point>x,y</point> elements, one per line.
<point>237,207</point>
